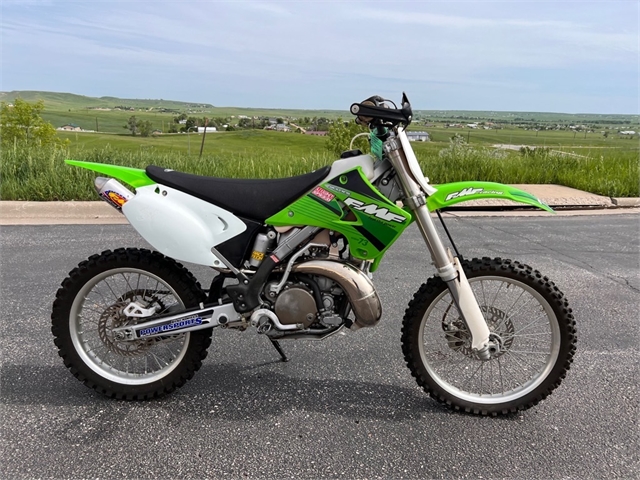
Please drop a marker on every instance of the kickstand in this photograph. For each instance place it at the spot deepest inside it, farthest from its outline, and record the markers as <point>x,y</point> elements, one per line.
<point>277,346</point>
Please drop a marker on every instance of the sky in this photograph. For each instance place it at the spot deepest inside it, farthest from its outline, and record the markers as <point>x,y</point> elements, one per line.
<point>558,56</point>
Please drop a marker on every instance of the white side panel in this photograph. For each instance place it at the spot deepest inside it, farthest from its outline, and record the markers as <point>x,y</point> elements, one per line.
<point>179,225</point>
<point>345,164</point>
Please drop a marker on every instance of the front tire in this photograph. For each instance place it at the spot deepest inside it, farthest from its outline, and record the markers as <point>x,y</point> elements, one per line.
<point>529,320</point>
<point>89,305</point>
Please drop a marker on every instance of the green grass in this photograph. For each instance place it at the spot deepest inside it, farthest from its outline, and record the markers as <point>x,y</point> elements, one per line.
<point>249,142</point>
<point>40,174</point>
<point>607,166</point>
<point>605,172</point>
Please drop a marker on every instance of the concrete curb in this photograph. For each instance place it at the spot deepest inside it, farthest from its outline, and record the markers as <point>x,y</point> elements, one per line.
<point>626,202</point>
<point>567,201</point>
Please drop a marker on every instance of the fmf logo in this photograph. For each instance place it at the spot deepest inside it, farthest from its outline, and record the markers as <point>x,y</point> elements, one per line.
<point>464,193</point>
<point>371,209</point>
<point>115,198</point>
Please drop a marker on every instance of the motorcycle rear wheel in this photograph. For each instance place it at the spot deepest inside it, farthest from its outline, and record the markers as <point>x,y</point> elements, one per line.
<point>529,320</point>
<point>89,305</point>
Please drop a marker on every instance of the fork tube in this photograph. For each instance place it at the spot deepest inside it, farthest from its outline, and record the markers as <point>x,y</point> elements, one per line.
<point>412,190</point>
<point>448,269</point>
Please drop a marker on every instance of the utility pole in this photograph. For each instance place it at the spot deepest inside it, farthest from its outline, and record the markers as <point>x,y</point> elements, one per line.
<point>204,134</point>
<point>96,124</point>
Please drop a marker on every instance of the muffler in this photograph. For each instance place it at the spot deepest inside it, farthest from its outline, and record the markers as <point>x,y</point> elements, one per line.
<point>355,283</point>
<point>113,192</point>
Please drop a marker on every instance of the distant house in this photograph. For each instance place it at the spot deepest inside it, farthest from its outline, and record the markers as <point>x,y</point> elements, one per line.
<point>418,136</point>
<point>208,129</point>
<point>70,127</point>
<point>628,132</point>
<point>281,127</point>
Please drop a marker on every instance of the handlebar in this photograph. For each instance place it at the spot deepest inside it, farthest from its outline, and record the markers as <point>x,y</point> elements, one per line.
<point>374,112</point>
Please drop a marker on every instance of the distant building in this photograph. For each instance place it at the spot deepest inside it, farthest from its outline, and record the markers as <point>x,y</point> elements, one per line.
<point>70,127</point>
<point>208,129</point>
<point>281,127</point>
<point>628,132</point>
<point>418,136</point>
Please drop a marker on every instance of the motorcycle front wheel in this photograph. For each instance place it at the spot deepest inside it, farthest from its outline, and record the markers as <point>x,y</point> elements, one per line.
<point>89,305</point>
<point>530,323</point>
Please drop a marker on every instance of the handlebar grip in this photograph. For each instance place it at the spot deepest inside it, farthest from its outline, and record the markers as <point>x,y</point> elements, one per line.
<point>371,111</point>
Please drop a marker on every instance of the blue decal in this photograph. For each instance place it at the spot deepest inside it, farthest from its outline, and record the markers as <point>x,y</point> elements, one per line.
<point>176,325</point>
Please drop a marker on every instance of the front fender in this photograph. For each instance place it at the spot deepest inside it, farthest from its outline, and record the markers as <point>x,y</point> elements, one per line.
<point>449,194</point>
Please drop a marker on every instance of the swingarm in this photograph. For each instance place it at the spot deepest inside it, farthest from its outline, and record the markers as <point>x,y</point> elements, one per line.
<point>186,321</point>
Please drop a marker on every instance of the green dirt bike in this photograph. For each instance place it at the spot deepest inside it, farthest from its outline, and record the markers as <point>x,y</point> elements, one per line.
<point>295,258</point>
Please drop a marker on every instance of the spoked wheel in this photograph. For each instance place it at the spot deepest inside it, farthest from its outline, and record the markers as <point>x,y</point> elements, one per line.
<point>90,304</point>
<point>531,326</point>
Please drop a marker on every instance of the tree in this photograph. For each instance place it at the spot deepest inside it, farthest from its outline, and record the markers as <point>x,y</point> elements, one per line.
<point>182,116</point>
<point>190,124</point>
<point>145,128</point>
<point>132,125</point>
<point>22,123</point>
<point>340,135</point>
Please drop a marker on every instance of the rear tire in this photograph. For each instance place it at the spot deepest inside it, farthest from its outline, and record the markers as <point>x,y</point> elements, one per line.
<point>529,319</point>
<point>88,306</point>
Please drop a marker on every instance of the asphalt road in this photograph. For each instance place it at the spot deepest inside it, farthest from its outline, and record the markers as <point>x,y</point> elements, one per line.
<point>346,407</point>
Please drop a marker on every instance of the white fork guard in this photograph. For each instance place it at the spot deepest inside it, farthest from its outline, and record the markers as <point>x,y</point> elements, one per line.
<point>471,311</point>
<point>179,225</point>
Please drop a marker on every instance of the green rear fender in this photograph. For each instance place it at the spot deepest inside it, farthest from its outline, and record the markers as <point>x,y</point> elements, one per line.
<point>449,194</point>
<point>135,177</point>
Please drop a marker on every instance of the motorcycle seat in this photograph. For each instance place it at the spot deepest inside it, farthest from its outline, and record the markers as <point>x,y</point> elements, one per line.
<point>255,199</point>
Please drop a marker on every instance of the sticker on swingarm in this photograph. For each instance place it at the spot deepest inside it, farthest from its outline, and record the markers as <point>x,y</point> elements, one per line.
<point>171,327</point>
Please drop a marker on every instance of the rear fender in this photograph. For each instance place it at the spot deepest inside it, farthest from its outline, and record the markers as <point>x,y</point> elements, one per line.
<point>449,194</point>
<point>135,177</point>
<point>174,223</point>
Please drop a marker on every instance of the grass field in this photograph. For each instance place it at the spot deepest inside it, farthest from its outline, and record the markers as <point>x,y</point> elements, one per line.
<point>588,161</point>
<point>39,174</point>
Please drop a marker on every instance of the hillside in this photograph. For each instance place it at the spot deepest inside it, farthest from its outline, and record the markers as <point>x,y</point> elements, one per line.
<point>59,101</point>
<point>69,102</point>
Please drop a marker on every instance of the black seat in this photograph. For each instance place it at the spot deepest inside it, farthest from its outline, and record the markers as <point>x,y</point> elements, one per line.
<point>256,199</point>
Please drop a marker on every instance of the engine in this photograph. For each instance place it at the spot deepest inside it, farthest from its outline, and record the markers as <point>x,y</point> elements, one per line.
<point>315,292</point>
<point>307,301</point>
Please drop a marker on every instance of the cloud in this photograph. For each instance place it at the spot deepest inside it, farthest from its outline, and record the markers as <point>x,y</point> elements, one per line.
<point>243,51</point>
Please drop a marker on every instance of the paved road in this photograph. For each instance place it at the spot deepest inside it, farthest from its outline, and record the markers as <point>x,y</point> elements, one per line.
<point>346,407</point>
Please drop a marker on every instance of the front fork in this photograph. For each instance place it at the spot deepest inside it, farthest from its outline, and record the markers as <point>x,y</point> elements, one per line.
<point>448,267</point>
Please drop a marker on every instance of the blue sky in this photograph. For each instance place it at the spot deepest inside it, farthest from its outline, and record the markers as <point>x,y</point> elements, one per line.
<point>560,56</point>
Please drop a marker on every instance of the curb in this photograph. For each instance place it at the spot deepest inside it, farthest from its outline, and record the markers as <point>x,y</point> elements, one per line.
<point>628,202</point>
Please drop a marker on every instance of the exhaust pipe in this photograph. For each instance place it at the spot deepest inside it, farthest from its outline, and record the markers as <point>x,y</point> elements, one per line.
<point>113,192</point>
<point>359,289</point>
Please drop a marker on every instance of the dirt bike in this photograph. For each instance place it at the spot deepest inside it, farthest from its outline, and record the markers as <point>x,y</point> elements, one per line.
<point>295,258</point>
